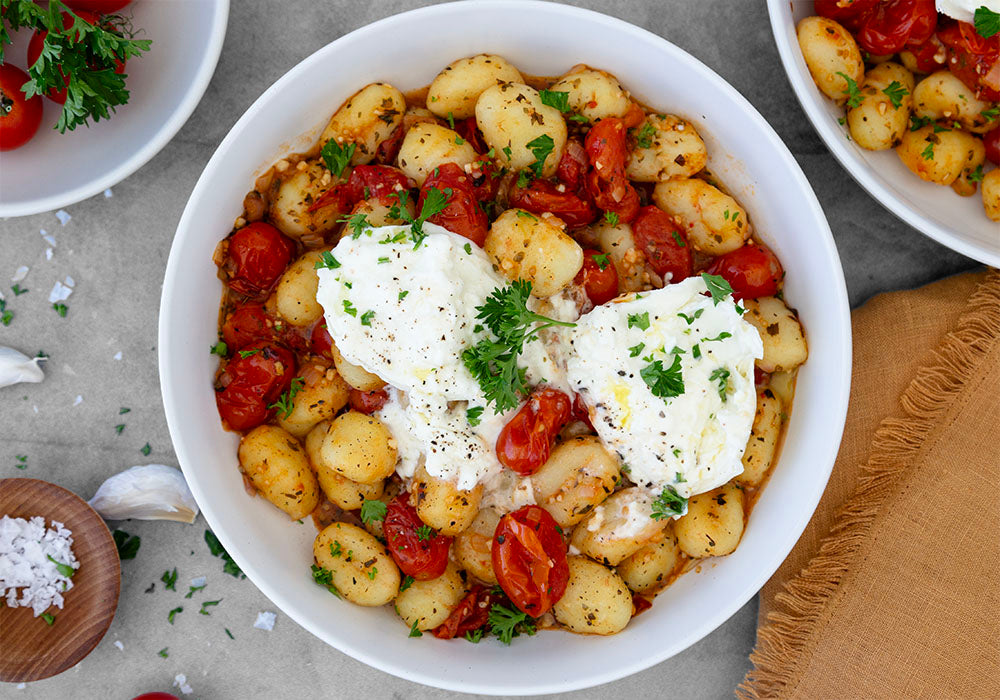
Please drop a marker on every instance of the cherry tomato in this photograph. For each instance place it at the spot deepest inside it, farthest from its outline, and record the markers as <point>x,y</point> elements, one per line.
<point>992,142</point>
<point>258,255</point>
<point>634,116</point>
<point>388,149</point>
<point>850,13</point>
<point>101,7</point>
<point>365,182</point>
<point>423,559</point>
<point>760,377</point>
<point>598,277</point>
<point>468,129</point>
<point>462,215</point>
<point>320,341</point>
<point>607,183</point>
<point>927,53</point>
<point>572,168</point>
<point>19,116</point>
<point>248,325</point>
<point>525,442</point>
<point>752,271</point>
<point>37,42</point>
<point>895,23</point>
<point>640,604</point>
<point>471,614</point>
<point>529,559</point>
<point>663,241</point>
<point>580,411</point>
<point>367,402</point>
<point>541,196</point>
<point>155,696</point>
<point>253,383</point>
<point>973,59</point>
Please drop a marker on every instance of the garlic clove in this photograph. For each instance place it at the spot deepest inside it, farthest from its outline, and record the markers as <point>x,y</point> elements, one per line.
<point>149,492</point>
<point>16,367</point>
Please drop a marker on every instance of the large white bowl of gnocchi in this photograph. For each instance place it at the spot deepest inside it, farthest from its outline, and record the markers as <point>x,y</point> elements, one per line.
<point>906,95</point>
<point>510,347</point>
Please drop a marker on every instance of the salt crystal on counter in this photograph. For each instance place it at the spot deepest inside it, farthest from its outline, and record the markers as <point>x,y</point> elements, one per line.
<point>180,682</point>
<point>198,582</point>
<point>48,253</point>
<point>70,282</point>
<point>118,355</point>
<point>21,273</point>
<point>121,647</point>
<point>78,400</point>
<point>22,686</point>
<point>108,194</point>
<point>63,216</point>
<point>265,621</point>
<point>60,291</point>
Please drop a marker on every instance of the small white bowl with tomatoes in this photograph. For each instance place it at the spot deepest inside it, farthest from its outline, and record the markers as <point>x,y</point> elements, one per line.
<point>43,168</point>
<point>958,222</point>
<point>541,38</point>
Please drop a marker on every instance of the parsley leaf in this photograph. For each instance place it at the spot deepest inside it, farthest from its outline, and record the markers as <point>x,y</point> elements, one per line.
<point>326,260</point>
<point>987,22</point>
<point>285,404</point>
<point>918,123</point>
<point>474,415</point>
<point>349,308</point>
<point>216,549</point>
<point>601,260</point>
<point>717,286</point>
<point>693,317</point>
<point>668,504</point>
<point>555,98</point>
<point>173,613</point>
<point>67,570</point>
<point>644,137</point>
<point>372,510</point>
<point>721,375</point>
<point>636,350</point>
<point>507,623</point>
<point>220,349</point>
<point>722,336</point>
<point>928,153</point>
<point>854,96</point>
<point>324,577</point>
<point>414,632</point>
<point>611,218</point>
<point>170,580</point>
<point>127,545</point>
<point>977,174</point>
<point>60,308</point>
<point>640,321</point>
<point>357,223</point>
<point>425,532</point>
<point>665,383</point>
<point>366,318</point>
<point>407,582</point>
<point>540,147</point>
<point>990,114</point>
<point>49,618</point>
<point>337,157</point>
<point>895,92</point>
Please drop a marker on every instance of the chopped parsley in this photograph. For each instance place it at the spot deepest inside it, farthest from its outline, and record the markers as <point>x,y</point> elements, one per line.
<point>349,308</point>
<point>22,461</point>
<point>194,589</point>
<point>402,294</point>
<point>371,510</point>
<point>468,248</point>
<point>18,291</point>
<point>693,317</point>
<point>383,260</point>
<point>335,549</point>
<point>67,570</point>
<point>611,218</point>
<point>357,223</point>
<point>678,477</point>
<point>371,574</point>
<point>990,114</point>
<point>977,174</point>
<point>163,652</point>
<point>229,634</point>
<point>327,260</point>
<point>324,577</point>
<point>644,137</point>
<point>506,623</point>
<point>918,123</point>
<point>601,260</point>
<point>474,636</point>
<point>451,121</point>
<point>474,415</point>
<point>169,579</point>
<point>173,613</point>
<point>6,315</point>
<point>540,147</point>
<point>60,308</point>
<point>435,201</point>
<point>895,92</point>
<point>145,449</point>
<point>337,157</point>
<point>721,375</point>
<point>123,410</point>
<point>208,604</point>
<point>696,351</point>
<point>414,632</point>
<point>636,350</point>
<point>717,287</point>
<point>216,549</point>
<point>285,403</point>
<point>493,361</point>
<point>987,22</point>
<point>407,582</point>
<point>555,98</point>
<point>678,239</point>
<point>425,532</point>
<point>664,382</point>
<point>668,504</point>
<point>49,619</point>
<point>928,153</point>
<point>366,318</point>
<point>853,92</point>
<point>640,321</point>
<point>722,336</point>
<point>127,545</point>
<point>247,353</point>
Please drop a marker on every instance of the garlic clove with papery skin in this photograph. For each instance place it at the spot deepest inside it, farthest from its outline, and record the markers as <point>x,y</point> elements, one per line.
<point>16,367</point>
<point>149,492</point>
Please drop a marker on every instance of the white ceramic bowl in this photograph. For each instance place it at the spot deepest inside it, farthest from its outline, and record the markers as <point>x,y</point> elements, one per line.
<point>55,170</point>
<point>541,39</point>
<point>956,222</point>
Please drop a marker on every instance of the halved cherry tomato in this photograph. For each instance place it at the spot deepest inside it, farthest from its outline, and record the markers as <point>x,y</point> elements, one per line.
<point>607,150</point>
<point>927,53</point>
<point>598,277</point>
<point>752,271</point>
<point>640,604</point>
<point>252,383</point>
<point>572,168</point>
<point>320,341</point>
<point>895,23</point>
<point>525,442</point>
<point>974,60</point>
<point>365,182</point>
<point>258,255</point>
<point>37,42</point>
<point>664,243</point>
<point>248,325</point>
<point>760,377</point>
<point>388,149</point>
<point>471,614</point>
<point>850,13</point>
<point>155,696</point>
<point>529,559</point>
<point>423,559</point>
<point>580,411</point>
<point>992,142</point>
<point>367,402</point>
<point>468,129</point>
<point>19,116</point>
<point>541,196</point>
<point>462,215</point>
<point>101,7</point>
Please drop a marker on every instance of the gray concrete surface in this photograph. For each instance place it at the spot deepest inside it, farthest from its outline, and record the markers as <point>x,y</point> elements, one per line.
<point>116,249</point>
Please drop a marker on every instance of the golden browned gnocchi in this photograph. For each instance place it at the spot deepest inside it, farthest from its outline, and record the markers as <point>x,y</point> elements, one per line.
<point>883,115</point>
<point>991,194</point>
<point>937,154</point>
<point>468,517</point>
<point>942,95</point>
<point>832,56</point>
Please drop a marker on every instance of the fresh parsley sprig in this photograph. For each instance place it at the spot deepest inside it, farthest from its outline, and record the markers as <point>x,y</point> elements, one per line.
<point>507,623</point>
<point>668,504</point>
<point>665,383</point>
<point>987,22</point>
<point>435,202</point>
<point>493,361</point>
<point>337,157</point>
<point>853,92</point>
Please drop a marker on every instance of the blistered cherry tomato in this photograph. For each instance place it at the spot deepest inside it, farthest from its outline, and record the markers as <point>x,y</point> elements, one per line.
<point>525,442</point>
<point>895,23</point>
<point>640,604</point>
<point>849,13</point>
<point>388,149</point>
<point>258,255</point>
<point>580,411</point>
<point>541,196</point>
<point>572,168</point>
<point>19,116</point>
<point>422,558</point>
<point>752,271</point>
<point>927,53</point>
<point>664,243</point>
<point>155,696</point>
<point>37,42</point>
<point>471,614</point>
<point>320,342</point>
<point>101,7</point>
<point>468,129</point>
<point>365,182</point>
<point>529,559</point>
<point>367,402</point>
<point>598,277</point>
<point>252,383</point>
<point>248,325</point>
<point>974,60</point>
<point>992,142</point>
<point>607,150</point>
<point>462,215</point>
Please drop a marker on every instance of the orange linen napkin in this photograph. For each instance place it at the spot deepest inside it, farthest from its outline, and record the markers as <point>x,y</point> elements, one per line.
<point>893,590</point>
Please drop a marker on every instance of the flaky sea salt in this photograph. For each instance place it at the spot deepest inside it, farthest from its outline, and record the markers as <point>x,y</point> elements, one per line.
<point>118,355</point>
<point>121,647</point>
<point>180,682</point>
<point>63,216</point>
<point>60,292</point>
<point>48,253</point>
<point>30,559</point>
<point>78,400</point>
<point>198,582</point>
<point>21,273</point>
<point>265,621</point>
<point>108,194</point>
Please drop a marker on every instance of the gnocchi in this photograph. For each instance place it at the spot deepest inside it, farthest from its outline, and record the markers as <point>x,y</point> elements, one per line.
<point>276,465</point>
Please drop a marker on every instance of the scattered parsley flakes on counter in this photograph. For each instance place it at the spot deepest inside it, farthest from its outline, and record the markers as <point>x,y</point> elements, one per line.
<point>123,410</point>
<point>208,604</point>
<point>371,510</point>
<point>173,613</point>
<point>216,549</point>
<point>668,504</point>
<point>357,223</point>
<point>49,619</point>
<point>192,589</point>
<point>170,579</point>
<point>146,449</point>
<point>60,309</point>
<point>230,634</point>
<point>128,545</point>
<point>22,461</point>
<point>6,315</point>
<point>18,291</point>
<point>119,428</point>
<point>163,652</point>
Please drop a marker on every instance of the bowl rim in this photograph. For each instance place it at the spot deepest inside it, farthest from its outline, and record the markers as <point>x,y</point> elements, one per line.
<point>860,171</point>
<point>835,404</point>
<point>192,97</point>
